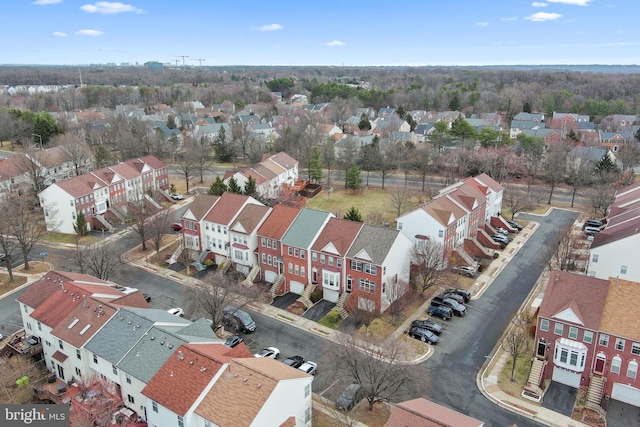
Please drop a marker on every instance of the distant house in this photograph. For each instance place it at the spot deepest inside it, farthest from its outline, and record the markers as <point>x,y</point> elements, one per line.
<point>272,174</point>
<point>616,140</point>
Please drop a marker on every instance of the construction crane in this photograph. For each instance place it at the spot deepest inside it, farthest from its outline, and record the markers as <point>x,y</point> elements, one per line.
<point>200,60</point>
<point>181,56</point>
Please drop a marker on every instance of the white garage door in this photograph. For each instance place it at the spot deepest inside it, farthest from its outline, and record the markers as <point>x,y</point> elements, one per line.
<point>270,276</point>
<point>330,295</point>
<point>626,393</point>
<point>564,376</point>
<point>296,287</point>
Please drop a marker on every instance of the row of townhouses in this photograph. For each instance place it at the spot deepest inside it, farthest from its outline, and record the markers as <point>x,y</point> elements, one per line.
<point>271,175</point>
<point>168,370</point>
<point>588,333</point>
<point>93,193</point>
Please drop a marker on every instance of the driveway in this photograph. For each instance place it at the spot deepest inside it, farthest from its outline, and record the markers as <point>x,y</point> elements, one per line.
<point>319,310</point>
<point>284,301</point>
<point>622,414</point>
<point>560,398</point>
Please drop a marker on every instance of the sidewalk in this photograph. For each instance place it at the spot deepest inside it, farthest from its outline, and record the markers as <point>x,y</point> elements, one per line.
<point>486,379</point>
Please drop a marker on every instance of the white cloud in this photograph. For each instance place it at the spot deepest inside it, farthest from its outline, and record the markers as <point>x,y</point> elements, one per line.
<point>270,27</point>
<point>45,2</point>
<point>543,16</point>
<point>90,33</point>
<point>109,8</point>
<point>538,4</point>
<point>334,43</point>
<point>574,2</point>
<point>482,24</point>
<point>510,18</point>
<point>59,34</point>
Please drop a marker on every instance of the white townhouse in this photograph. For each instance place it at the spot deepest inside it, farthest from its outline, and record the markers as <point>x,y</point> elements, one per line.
<point>243,236</point>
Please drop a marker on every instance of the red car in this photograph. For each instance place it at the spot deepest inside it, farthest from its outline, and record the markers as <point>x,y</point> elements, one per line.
<point>176,226</point>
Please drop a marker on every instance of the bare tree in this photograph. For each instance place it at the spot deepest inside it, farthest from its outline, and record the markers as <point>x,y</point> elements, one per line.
<point>138,216</point>
<point>98,260</point>
<point>188,164</point>
<point>600,196</point>
<point>13,369</point>
<point>203,161</point>
<point>31,163</point>
<point>216,291</point>
<point>629,155</point>
<point>75,151</point>
<point>561,252</point>
<point>24,223</point>
<point>400,199</point>
<point>158,226</point>
<point>365,315</point>
<point>398,293</point>
<point>428,264</point>
<point>555,166</point>
<point>516,200</point>
<point>377,369</point>
<point>516,342</point>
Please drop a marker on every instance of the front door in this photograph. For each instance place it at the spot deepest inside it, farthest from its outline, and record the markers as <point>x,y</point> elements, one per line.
<point>60,372</point>
<point>315,277</point>
<point>599,369</point>
<point>349,283</point>
<point>542,349</point>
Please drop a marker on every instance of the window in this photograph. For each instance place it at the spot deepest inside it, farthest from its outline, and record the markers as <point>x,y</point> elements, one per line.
<point>314,257</point>
<point>302,254</point>
<point>635,348</point>
<point>78,372</point>
<point>290,251</point>
<point>296,253</point>
<point>588,337</point>
<point>128,378</point>
<point>322,258</point>
<point>39,326</point>
<point>573,333</point>
<point>264,258</point>
<point>570,357</point>
<point>269,260</point>
<point>594,258</point>
<point>330,260</point>
<point>302,271</point>
<point>623,269</point>
<point>544,325</point>
<point>219,229</point>
<point>307,415</point>
<point>225,230</point>
<point>297,270</point>
<point>290,268</point>
<point>207,423</point>
<point>180,421</point>
<point>307,390</point>
<point>274,244</point>
<point>632,369</point>
<point>365,285</point>
<point>440,233</point>
<point>558,329</point>
<point>60,345</point>
<point>263,241</point>
<point>130,398</point>
<point>563,355</point>
<point>604,340</point>
<point>616,363</point>
<point>95,359</point>
<point>619,344</point>
<point>114,369</point>
<point>154,406</point>
<point>399,226</point>
<point>78,355</point>
<point>339,262</point>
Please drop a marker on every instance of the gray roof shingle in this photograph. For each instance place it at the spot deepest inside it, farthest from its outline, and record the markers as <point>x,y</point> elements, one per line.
<point>305,227</point>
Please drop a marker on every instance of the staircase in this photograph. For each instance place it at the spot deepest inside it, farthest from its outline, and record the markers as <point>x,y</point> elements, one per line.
<point>535,377</point>
<point>248,281</point>
<point>342,301</point>
<point>176,255</point>
<point>153,202</point>
<point>198,263</point>
<point>276,285</point>
<point>465,256</point>
<point>225,266</point>
<point>304,298</point>
<point>596,386</point>
<point>104,222</point>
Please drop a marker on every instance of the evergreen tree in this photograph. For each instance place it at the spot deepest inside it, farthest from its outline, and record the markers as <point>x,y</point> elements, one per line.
<point>218,187</point>
<point>250,186</point>
<point>233,186</point>
<point>364,123</point>
<point>352,179</point>
<point>315,165</point>
<point>171,122</point>
<point>80,226</point>
<point>353,214</point>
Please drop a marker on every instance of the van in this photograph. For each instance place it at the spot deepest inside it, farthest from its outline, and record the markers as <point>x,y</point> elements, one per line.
<point>238,320</point>
<point>590,231</point>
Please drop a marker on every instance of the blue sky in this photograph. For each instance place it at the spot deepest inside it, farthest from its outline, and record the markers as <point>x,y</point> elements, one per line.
<point>329,32</point>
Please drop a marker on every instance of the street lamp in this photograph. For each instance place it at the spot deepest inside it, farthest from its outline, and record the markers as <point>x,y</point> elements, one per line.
<point>40,137</point>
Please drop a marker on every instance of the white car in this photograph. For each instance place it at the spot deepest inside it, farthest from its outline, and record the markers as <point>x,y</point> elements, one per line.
<point>309,367</point>
<point>502,231</point>
<point>270,352</point>
<point>177,196</point>
<point>176,312</point>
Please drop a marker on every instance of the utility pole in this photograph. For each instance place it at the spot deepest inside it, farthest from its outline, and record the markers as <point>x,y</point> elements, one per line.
<point>199,59</point>
<point>184,67</point>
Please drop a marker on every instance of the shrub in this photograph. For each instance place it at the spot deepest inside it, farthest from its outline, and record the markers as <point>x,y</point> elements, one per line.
<point>208,262</point>
<point>496,255</point>
<point>481,267</point>
<point>316,296</point>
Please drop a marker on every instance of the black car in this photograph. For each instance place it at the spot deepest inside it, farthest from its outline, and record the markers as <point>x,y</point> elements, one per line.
<point>146,297</point>
<point>294,361</point>
<point>463,292</point>
<point>445,313</point>
<point>515,225</point>
<point>592,223</point>
<point>428,325</point>
<point>2,256</point>
<point>458,298</point>
<point>233,341</point>
<point>457,308</point>
<point>424,335</point>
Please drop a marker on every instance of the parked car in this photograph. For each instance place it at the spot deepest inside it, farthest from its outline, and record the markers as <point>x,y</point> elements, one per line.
<point>515,224</point>
<point>499,238</point>
<point>445,313</point>
<point>502,231</point>
<point>2,256</point>
<point>593,223</point>
<point>294,361</point>
<point>465,270</point>
<point>465,293</point>
<point>270,352</point>
<point>233,340</point>
<point>457,298</point>
<point>238,320</point>
<point>428,325</point>
<point>146,297</point>
<point>177,196</point>
<point>176,311</point>
<point>590,231</point>
<point>424,335</point>
<point>176,226</point>
<point>310,368</point>
<point>457,308</point>
<point>349,397</point>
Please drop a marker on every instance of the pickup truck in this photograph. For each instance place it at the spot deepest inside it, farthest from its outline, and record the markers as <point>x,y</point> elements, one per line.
<point>457,308</point>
